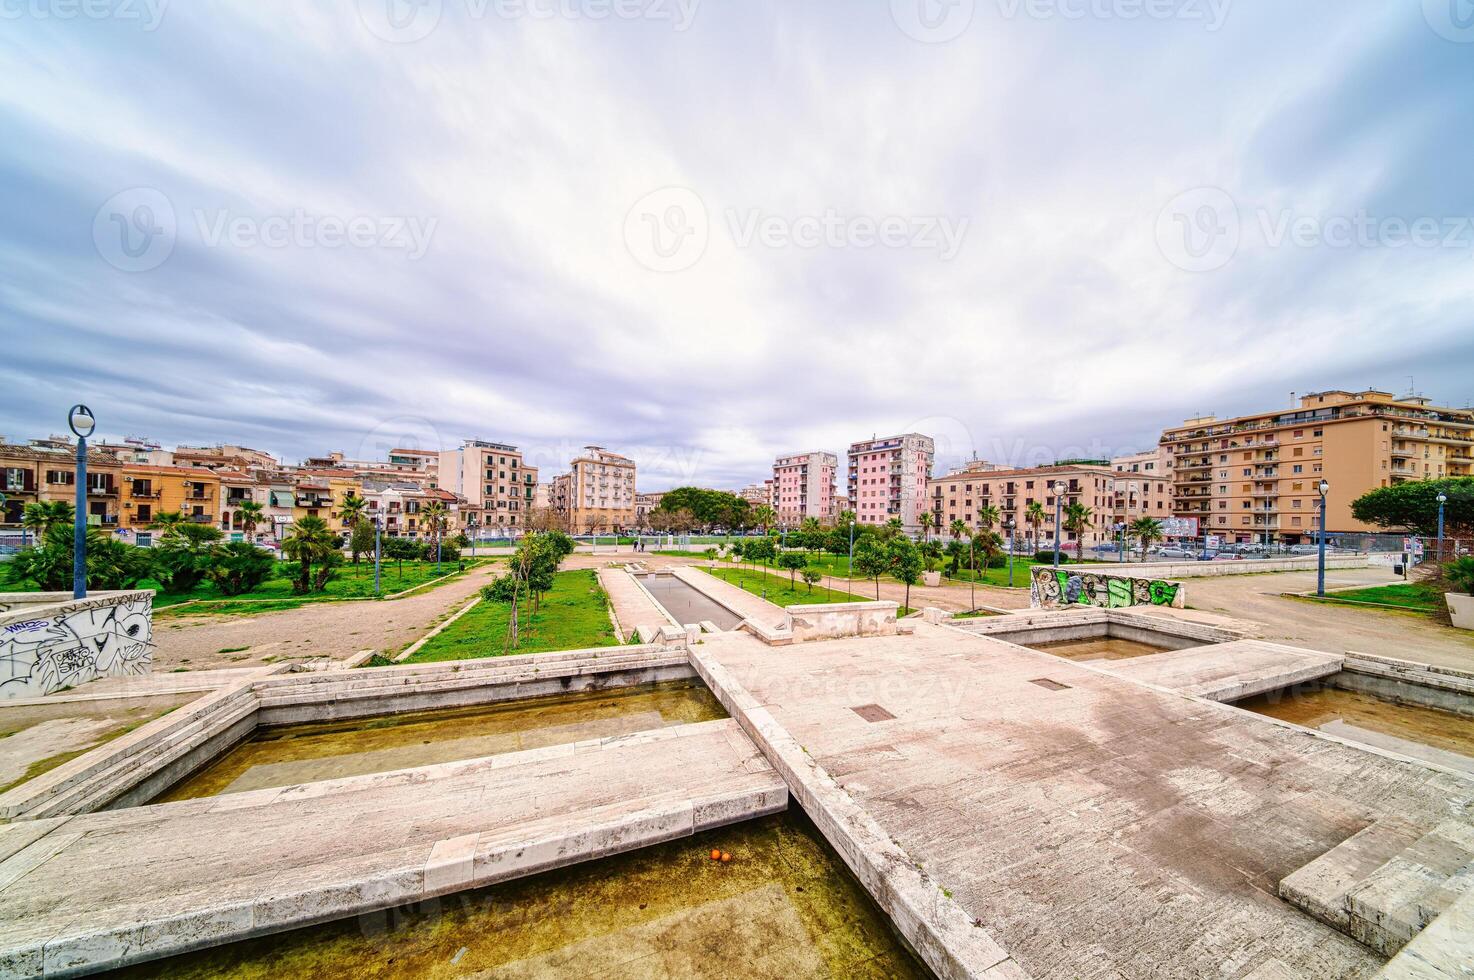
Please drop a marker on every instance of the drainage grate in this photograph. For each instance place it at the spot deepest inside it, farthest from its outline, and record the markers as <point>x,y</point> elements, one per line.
<point>1050,685</point>
<point>873,713</point>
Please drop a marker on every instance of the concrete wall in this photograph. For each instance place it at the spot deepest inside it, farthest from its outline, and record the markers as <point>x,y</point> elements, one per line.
<point>1086,585</point>
<point>1211,569</point>
<point>49,641</point>
<point>830,621</point>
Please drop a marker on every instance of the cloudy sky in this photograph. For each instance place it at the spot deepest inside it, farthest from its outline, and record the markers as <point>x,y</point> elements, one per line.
<point>708,232</point>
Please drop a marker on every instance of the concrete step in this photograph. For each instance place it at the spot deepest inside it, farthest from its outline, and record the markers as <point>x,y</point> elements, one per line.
<point>1387,883</point>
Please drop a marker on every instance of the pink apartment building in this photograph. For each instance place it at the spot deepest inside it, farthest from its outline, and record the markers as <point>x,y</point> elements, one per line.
<point>888,478</point>
<point>803,486</point>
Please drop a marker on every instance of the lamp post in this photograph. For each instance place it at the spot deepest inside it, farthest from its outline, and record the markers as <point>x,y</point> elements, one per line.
<point>378,523</point>
<point>1442,499</point>
<point>850,567</point>
<point>1008,526</point>
<point>475,530</point>
<point>1059,490</point>
<point>82,423</point>
<point>1121,540</point>
<point>1320,574</point>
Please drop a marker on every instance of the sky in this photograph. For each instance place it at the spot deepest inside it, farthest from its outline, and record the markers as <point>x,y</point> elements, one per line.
<point>707,233</point>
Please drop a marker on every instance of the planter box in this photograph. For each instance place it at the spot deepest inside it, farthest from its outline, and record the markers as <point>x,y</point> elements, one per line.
<point>1460,609</point>
<point>931,578</point>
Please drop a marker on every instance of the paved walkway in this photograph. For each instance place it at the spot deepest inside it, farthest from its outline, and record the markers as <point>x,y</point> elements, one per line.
<point>98,890</point>
<point>1227,671</point>
<point>1092,826</point>
<point>632,606</point>
<point>739,600</point>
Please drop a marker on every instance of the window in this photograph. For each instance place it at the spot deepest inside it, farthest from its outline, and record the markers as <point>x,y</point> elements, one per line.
<point>65,478</point>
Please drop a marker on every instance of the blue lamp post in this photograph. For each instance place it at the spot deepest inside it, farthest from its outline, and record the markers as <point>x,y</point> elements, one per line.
<point>1008,526</point>
<point>378,524</point>
<point>82,423</point>
<point>1442,499</point>
<point>1320,574</point>
<point>1059,491</point>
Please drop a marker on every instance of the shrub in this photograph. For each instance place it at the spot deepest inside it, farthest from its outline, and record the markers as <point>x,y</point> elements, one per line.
<point>1047,557</point>
<point>1459,574</point>
<point>238,567</point>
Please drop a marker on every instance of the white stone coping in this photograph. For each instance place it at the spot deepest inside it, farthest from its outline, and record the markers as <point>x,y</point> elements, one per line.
<point>1024,621</point>
<point>1211,569</point>
<point>21,607</point>
<point>936,926</point>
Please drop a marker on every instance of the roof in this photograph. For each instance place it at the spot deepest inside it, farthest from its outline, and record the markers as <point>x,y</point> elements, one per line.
<point>165,470</point>
<point>9,451</point>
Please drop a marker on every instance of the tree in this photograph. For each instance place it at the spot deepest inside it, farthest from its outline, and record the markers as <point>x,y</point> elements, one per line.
<point>905,565</point>
<point>1034,516</point>
<point>928,520</point>
<point>763,517</point>
<point>432,519</point>
<point>39,517</point>
<point>871,560</point>
<point>793,561</point>
<point>398,549</point>
<point>249,511</point>
<point>184,556</point>
<point>361,538</point>
<point>957,529</point>
<point>168,520</point>
<point>955,551</point>
<point>987,517</point>
<point>238,567</point>
<point>1078,520</point>
<point>310,542</point>
<point>760,550</point>
<point>1146,530</point>
<point>811,575</point>
<point>350,511</point>
<point>1413,507</point>
<point>708,508</point>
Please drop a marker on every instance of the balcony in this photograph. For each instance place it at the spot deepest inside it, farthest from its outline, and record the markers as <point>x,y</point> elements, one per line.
<point>146,493</point>
<point>106,490</point>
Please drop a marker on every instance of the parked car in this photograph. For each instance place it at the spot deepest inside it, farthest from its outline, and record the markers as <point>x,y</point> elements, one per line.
<point>1208,556</point>
<point>1174,553</point>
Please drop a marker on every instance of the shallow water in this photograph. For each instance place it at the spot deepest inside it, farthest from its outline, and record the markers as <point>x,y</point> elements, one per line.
<point>1424,733</point>
<point>1101,648</point>
<point>294,754</point>
<point>785,907</point>
<point>689,605</point>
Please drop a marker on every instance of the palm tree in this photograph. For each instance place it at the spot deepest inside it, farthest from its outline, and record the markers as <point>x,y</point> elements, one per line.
<point>309,541</point>
<point>249,511</point>
<point>957,529</point>
<point>1147,529</point>
<point>432,519</point>
<point>764,517</point>
<point>168,521</point>
<point>987,517</point>
<point>928,520</point>
<point>1078,520</point>
<point>1034,515</point>
<point>40,517</point>
<point>351,509</point>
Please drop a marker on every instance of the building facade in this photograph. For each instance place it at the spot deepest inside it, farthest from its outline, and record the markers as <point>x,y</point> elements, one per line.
<point>644,504</point>
<point>496,486</point>
<point>1112,498</point>
<point>888,479</point>
<point>597,493</point>
<point>1255,478</point>
<point>46,470</point>
<point>193,492</point>
<point>803,487</point>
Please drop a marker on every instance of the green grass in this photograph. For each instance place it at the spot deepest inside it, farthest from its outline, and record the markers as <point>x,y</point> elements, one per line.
<point>780,593</point>
<point>836,565</point>
<point>574,615</point>
<point>1413,596</point>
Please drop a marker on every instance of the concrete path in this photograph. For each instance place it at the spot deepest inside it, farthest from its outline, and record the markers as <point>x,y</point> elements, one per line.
<point>1092,826</point>
<point>103,889</point>
<point>633,607</point>
<point>1227,671</point>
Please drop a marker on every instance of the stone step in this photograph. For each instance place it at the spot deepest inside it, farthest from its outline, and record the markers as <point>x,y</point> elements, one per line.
<point>1402,897</point>
<point>1320,888</point>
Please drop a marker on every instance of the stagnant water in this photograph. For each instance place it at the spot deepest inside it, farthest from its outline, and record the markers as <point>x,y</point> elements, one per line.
<point>1423,733</point>
<point>688,605</point>
<point>784,907</point>
<point>1099,648</point>
<point>293,754</point>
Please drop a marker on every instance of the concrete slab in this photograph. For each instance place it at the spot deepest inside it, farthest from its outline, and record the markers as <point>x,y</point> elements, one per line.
<point>633,608</point>
<point>105,889</point>
<point>1091,825</point>
<point>1228,671</point>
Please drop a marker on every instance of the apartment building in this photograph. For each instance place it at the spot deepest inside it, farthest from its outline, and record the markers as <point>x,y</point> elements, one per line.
<point>148,491</point>
<point>222,457</point>
<point>644,504</point>
<point>495,483</point>
<point>597,493</point>
<point>1149,463</point>
<point>803,487</point>
<point>888,478</point>
<point>758,494</point>
<point>1255,478</point>
<point>46,470</point>
<point>1111,497</point>
<point>403,465</point>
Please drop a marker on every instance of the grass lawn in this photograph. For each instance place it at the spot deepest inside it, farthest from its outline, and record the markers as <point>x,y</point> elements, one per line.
<point>837,564</point>
<point>780,593</point>
<point>1412,596</point>
<point>574,615</point>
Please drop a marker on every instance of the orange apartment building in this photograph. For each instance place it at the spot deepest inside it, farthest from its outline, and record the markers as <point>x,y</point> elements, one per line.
<point>1113,497</point>
<point>1254,478</point>
<point>148,491</point>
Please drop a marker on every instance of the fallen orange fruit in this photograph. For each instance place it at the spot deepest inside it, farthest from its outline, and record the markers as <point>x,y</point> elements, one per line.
<point>716,855</point>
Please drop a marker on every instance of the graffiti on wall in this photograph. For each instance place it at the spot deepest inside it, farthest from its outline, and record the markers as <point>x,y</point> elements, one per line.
<point>110,636</point>
<point>1077,587</point>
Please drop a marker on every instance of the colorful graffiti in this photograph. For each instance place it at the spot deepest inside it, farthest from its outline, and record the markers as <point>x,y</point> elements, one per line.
<point>108,636</point>
<point>1053,587</point>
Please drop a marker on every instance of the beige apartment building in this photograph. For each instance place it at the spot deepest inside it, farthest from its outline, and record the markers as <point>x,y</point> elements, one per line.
<point>1112,497</point>
<point>597,493</point>
<point>1254,478</point>
<point>495,482</point>
<point>46,470</point>
<point>403,465</point>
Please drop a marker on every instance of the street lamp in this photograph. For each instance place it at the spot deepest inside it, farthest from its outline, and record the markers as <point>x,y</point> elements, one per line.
<point>1059,490</point>
<point>1008,526</point>
<point>1442,499</point>
<point>378,524</point>
<point>1121,530</point>
<point>82,422</point>
<point>1320,575</point>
